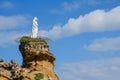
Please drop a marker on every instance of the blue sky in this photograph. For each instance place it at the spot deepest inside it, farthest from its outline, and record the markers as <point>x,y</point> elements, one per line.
<point>85,34</point>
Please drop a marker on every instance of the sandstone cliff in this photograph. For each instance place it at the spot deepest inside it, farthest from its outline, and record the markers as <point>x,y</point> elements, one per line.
<point>38,62</point>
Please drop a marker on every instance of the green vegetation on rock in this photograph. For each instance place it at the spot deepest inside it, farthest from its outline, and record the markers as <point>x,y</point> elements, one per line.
<point>26,39</point>
<point>39,76</point>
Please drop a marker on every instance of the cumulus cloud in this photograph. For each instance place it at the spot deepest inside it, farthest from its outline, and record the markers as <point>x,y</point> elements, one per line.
<point>9,26</point>
<point>95,21</point>
<point>104,44</point>
<point>10,22</point>
<point>8,38</point>
<point>70,7</point>
<point>12,37</point>
<point>7,5</point>
<point>66,7</point>
<point>107,69</point>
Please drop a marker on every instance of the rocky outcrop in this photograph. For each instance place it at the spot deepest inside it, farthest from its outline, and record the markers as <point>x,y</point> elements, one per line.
<point>34,52</point>
<point>38,63</point>
<point>5,70</point>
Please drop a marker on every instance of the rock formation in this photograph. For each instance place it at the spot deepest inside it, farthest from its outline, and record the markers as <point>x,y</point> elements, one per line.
<point>5,70</point>
<point>38,62</point>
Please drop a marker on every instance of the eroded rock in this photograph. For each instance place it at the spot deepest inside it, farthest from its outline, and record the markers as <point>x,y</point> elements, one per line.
<point>38,62</point>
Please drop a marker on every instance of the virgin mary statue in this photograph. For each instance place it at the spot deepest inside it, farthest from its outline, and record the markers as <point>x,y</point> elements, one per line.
<point>34,28</point>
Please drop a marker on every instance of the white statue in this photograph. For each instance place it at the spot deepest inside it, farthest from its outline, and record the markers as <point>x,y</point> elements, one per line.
<point>34,28</point>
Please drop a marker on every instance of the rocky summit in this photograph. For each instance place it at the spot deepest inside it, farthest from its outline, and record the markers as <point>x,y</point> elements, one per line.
<point>38,62</point>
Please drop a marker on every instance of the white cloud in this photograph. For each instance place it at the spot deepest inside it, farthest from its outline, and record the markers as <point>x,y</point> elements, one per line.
<point>66,7</point>
<point>10,28</point>
<point>107,69</point>
<point>7,5</point>
<point>95,21</point>
<point>8,38</point>
<point>104,44</point>
<point>70,7</point>
<point>78,5</point>
<point>10,22</point>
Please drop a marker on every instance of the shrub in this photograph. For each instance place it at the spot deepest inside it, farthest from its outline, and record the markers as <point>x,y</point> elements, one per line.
<point>25,39</point>
<point>39,76</point>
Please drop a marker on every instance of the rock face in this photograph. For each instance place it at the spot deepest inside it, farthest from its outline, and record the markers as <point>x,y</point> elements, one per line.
<point>5,70</point>
<point>38,63</point>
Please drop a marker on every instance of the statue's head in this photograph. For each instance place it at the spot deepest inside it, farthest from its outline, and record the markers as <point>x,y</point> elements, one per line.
<point>35,18</point>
